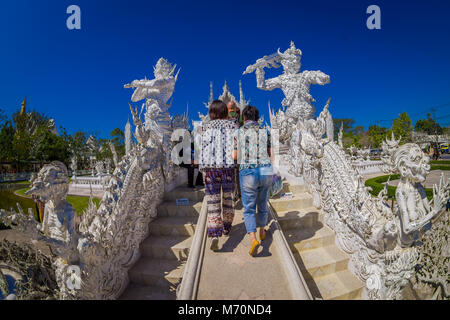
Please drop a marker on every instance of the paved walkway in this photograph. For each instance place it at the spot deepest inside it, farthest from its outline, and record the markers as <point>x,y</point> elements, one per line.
<point>232,274</point>
<point>373,175</point>
<point>432,178</point>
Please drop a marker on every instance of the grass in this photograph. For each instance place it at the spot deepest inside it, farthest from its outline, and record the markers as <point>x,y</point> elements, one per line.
<point>377,185</point>
<point>16,182</point>
<point>22,191</point>
<point>79,203</point>
<point>440,167</point>
<point>446,162</point>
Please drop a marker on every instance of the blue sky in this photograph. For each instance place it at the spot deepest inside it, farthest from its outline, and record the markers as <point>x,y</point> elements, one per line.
<point>77,77</point>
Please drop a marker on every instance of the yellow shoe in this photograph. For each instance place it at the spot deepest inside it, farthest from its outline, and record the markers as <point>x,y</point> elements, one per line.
<point>263,237</point>
<point>254,248</point>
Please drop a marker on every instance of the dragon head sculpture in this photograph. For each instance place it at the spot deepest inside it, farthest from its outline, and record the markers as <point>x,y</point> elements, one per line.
<point>51,183</point>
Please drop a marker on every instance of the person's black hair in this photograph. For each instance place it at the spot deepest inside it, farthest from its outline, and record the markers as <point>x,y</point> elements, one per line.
<point>218,110</point>
<point>250,113</point>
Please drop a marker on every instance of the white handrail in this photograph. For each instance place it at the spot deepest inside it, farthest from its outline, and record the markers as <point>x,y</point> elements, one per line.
<point>297,283</point>
<point>188,288</point>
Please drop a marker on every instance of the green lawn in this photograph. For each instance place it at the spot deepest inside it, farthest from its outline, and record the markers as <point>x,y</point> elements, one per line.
<point>440,162</point>
<point>16,182</point>
<point>22,192</point>
<point>78,203</point>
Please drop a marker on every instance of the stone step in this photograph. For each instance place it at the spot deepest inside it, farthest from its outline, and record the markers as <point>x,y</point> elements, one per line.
<point>173,226</point>
<point>297,202</point>
<point>323,260</point>
<point>295,189</point>
<point>166,247</point>
<point>140,292</point>
<point>300,219</point>
<point>163,273</point>
<point>306,239</point>
<point>170,209</point>
<point>195,195</point>
<point>342,285</point>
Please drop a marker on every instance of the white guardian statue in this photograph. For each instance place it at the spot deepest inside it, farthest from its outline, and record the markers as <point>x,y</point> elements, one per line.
<point>157,93</point>
<point>295,85</point>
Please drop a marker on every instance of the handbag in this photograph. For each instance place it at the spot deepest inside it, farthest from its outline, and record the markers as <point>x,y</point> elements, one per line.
<point>277,185</point>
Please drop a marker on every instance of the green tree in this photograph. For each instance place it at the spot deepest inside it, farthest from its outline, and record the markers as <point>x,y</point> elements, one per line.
<point>347,125</point>
<point>6,142</point>
<point>428,126</point>
<point>3,118</point>
<point>50,147</point>
<point>402,127</point>
<point>377,135</point>
<point>77,147</point>
<point>364,140</point>
<point>118,139</point>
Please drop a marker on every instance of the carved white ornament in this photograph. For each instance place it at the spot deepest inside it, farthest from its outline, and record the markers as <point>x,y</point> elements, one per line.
<point>106,243</point>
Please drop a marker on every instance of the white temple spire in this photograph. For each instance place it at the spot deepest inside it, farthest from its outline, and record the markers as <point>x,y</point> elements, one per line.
<point>241,97</point>
<point>127,137</point>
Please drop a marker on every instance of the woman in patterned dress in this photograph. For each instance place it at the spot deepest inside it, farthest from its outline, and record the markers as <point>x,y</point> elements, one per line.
<point>217,165</point>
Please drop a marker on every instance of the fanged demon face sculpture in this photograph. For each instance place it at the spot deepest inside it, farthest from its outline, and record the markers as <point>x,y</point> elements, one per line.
<point>290,59</point>
<point>52,182</point>
<point>163,69</point>
<point>412,163</point>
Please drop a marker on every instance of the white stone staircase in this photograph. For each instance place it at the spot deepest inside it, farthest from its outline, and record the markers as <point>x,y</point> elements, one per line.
<point>324,266</point>
<point>159,271</point>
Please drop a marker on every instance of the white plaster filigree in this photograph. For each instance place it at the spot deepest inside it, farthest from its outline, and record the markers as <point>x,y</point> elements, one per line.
<point>106,243</point>
<point>380,243</point>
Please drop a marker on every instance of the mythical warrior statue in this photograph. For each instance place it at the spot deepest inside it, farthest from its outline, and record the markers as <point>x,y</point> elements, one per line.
<point>156,93</point>
<point>297,101</point>
<point>295,85</point>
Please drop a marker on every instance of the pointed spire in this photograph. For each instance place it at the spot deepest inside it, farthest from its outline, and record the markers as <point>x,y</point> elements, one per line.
<point>241,97</point>
<point>211,93</point>
<point>226,89</point>
<point>24,104</point>
<point>270,115</point>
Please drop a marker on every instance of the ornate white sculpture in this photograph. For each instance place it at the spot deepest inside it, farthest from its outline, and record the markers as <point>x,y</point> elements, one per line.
<point>377,237</point>
<point>341,135</point>
<point>363,154</point>
<point>127,138</point>
<point>108,166</point>
<point>279,121</point>
<point>51,186</point>
<point>226,97</point>
<point>295,85</point>
<point>156,93</point>
<point>74,166</point>
<point>434,259</point>
<point>181,121</point>
<point>413,208</point>
<point>99,168</point>
<point>108,238</point>
<point>114,154</point>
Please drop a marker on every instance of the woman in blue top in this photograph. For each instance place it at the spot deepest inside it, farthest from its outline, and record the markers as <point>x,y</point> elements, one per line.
<point>253,151</point>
